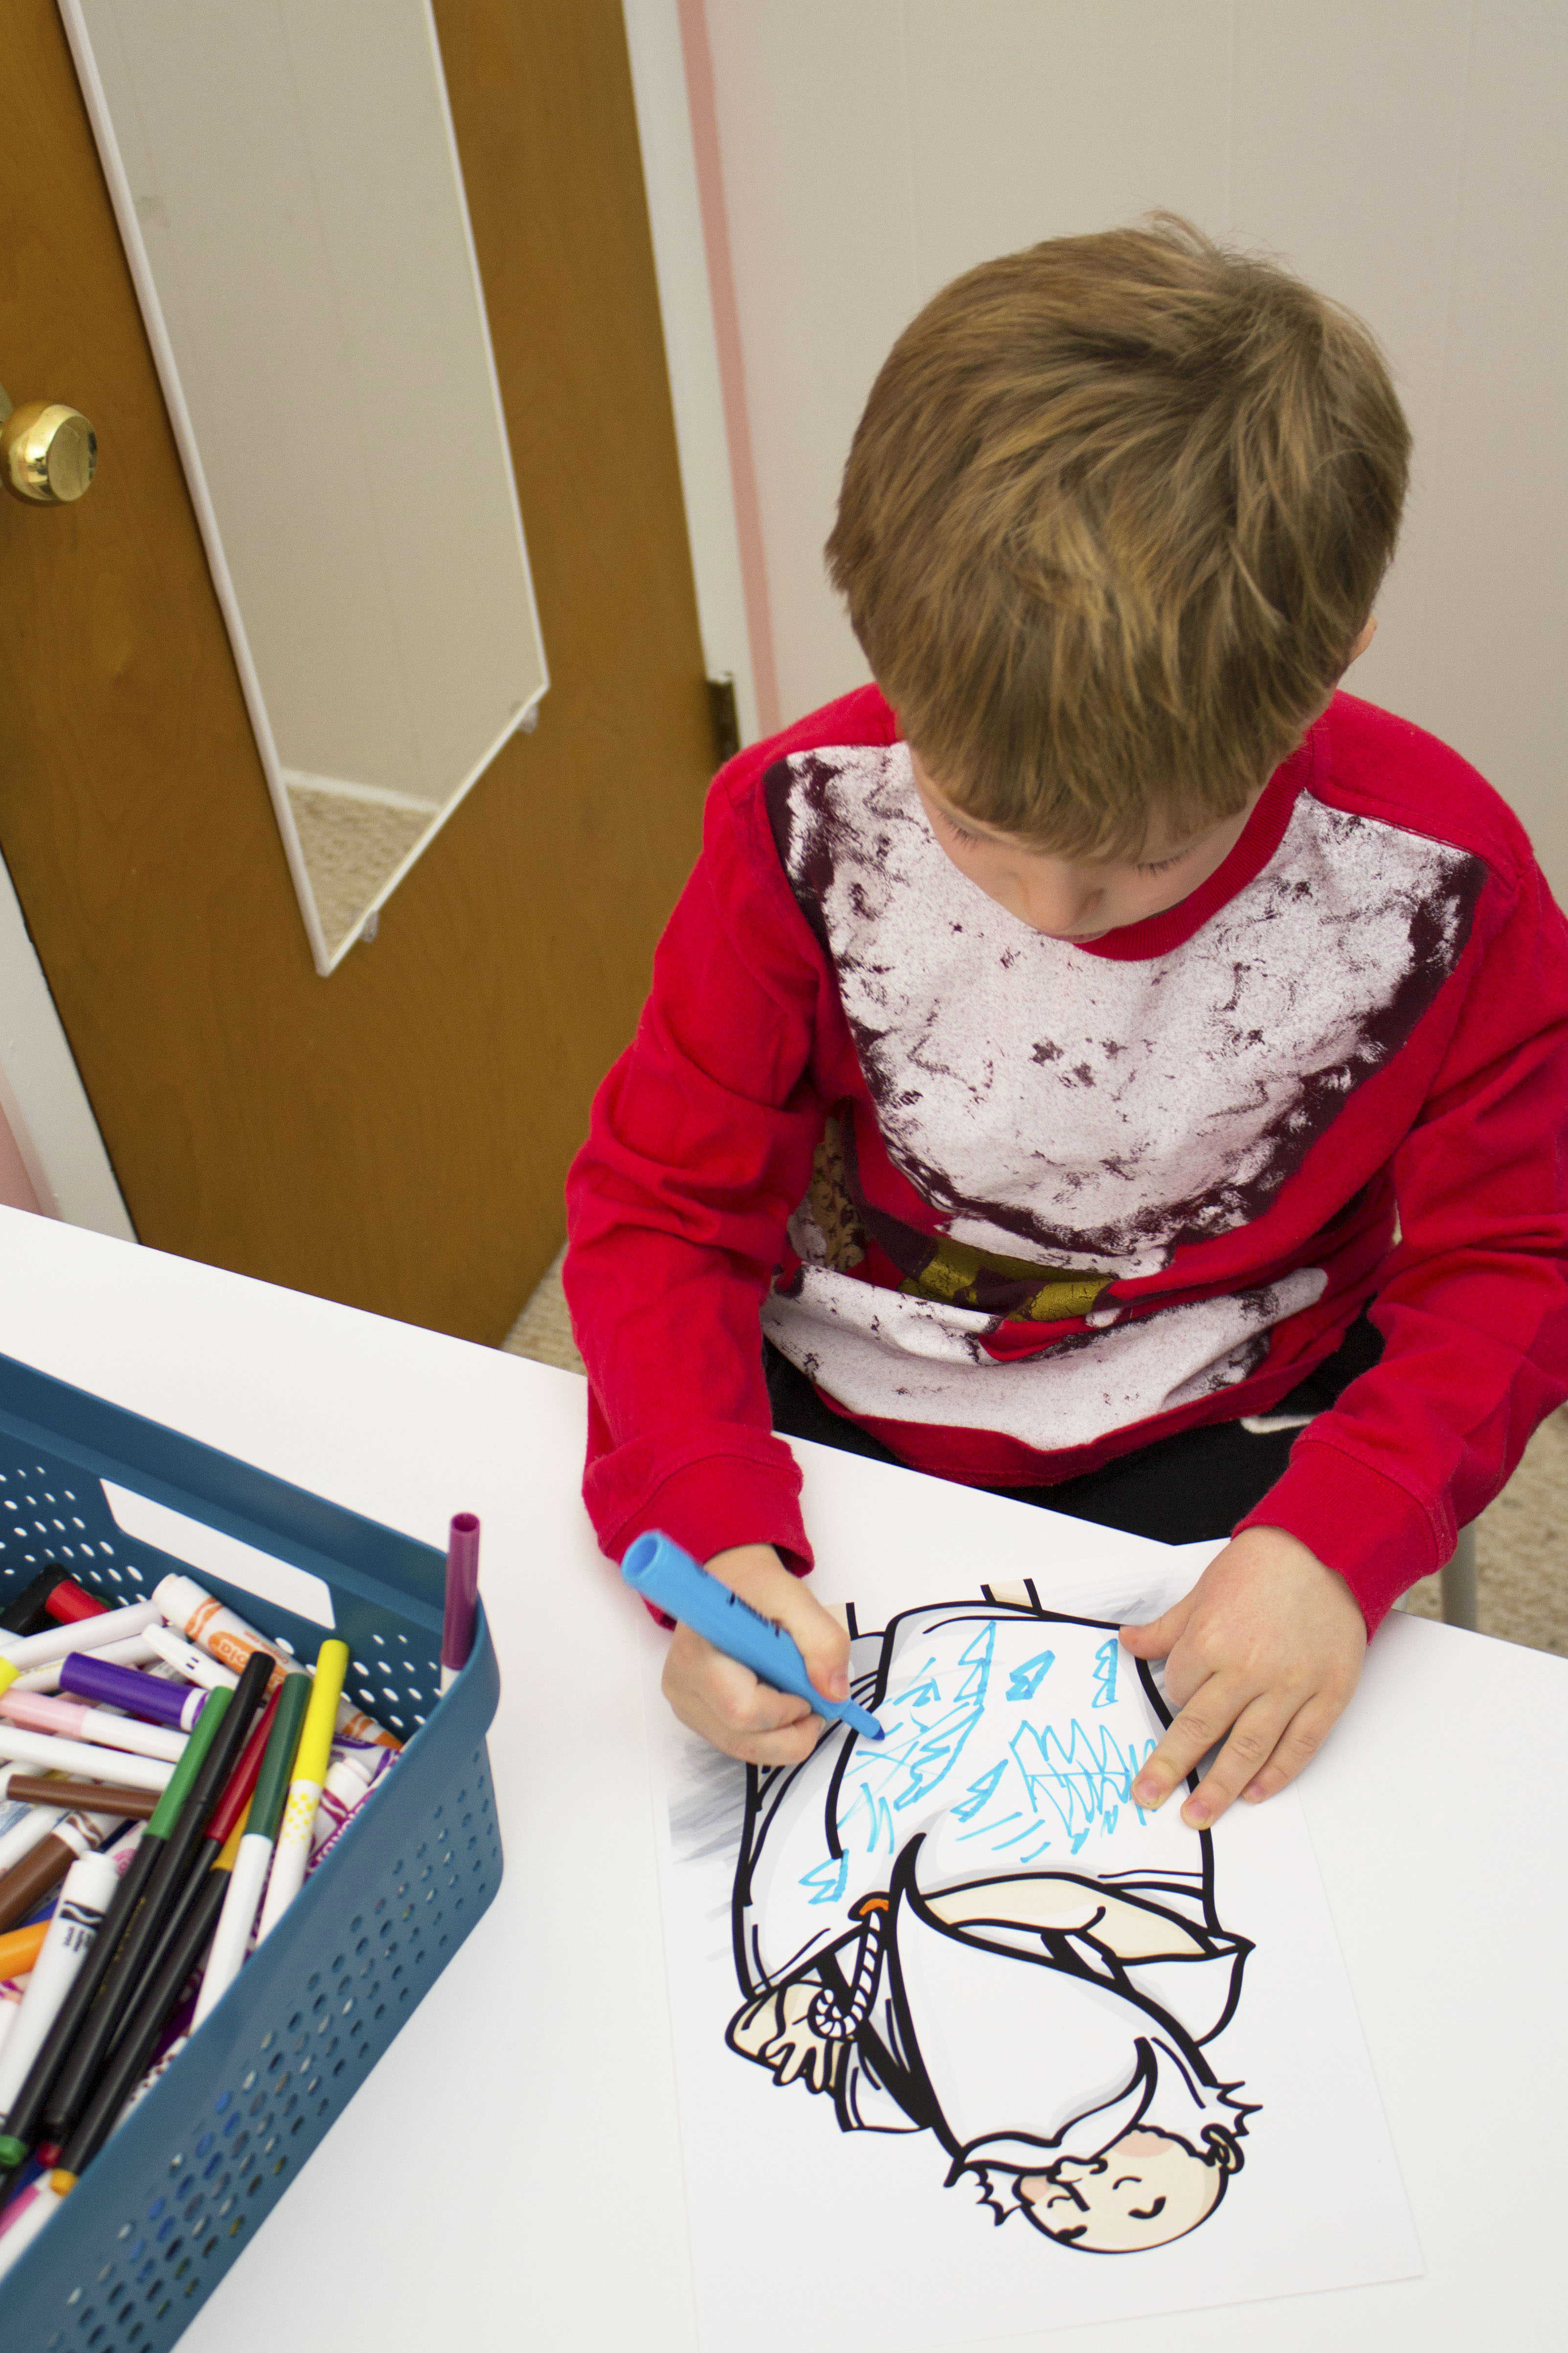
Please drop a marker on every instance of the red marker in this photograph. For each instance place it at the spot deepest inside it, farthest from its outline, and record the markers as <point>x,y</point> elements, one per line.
<point>49,1595</point>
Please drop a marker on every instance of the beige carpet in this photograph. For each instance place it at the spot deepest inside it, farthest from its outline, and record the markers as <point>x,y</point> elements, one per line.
<point>1522,1542</point>
<point>349,848</point>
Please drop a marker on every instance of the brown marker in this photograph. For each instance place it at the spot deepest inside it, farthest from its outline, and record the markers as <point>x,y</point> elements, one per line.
<point>92,1797</point>
<point>25,1886</point>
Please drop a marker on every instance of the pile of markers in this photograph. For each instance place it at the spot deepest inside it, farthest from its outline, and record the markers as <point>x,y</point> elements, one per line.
<point>168,1779</point>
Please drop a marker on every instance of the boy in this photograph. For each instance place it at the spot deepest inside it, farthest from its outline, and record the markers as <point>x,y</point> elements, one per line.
<point>1116,1068</point>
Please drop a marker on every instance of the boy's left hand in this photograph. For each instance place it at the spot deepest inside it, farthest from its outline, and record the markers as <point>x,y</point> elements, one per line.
<point>1266,1647</point>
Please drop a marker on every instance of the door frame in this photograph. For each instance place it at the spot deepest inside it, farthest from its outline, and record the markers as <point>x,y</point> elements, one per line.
<point>707,400</point>
<point>42,1097</point>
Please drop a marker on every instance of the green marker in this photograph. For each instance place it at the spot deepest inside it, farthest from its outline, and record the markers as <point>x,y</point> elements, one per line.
<point>248,1877</point>
<point>17,2138</point>
<point>175,1854</point>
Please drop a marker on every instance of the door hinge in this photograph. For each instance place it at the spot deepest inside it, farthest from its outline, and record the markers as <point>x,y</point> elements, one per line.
<point>725,718</point>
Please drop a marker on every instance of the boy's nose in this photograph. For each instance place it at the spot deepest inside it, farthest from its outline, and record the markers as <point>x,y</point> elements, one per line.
<point>1061,904</point>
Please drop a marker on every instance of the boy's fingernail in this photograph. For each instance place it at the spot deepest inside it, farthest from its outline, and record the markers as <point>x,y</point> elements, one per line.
<point>1196,1812</point>
<point>1255,1793</point>
<point>838,1685</point>
<point>1150,1791</point>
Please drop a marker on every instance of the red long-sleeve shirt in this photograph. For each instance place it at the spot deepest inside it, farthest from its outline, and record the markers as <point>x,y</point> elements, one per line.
<point>1019,1205</point>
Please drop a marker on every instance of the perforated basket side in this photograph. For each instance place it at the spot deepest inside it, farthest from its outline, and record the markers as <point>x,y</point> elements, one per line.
<point>186,2182</point>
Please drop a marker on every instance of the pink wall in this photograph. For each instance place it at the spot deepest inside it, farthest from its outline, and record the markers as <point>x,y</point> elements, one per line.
<point>699,63</point>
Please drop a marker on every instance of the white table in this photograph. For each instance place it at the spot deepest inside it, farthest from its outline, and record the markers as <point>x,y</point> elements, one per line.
<point>509,2174</point>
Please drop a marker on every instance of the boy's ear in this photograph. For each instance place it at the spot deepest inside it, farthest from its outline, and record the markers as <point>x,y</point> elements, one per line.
<point>1368,632</point>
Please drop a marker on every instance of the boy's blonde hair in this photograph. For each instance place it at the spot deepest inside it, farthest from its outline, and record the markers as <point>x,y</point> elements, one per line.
<point>1117,510</point>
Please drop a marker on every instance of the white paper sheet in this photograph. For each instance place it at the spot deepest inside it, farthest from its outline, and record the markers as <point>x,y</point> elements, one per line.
<point>804,2231</point>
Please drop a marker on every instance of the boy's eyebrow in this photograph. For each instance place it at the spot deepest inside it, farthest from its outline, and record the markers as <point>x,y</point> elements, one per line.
<point>961,818</point>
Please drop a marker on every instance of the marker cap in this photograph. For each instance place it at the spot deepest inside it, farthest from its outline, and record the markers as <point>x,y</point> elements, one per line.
<point>462,1591</point>
<point>207,1725</point>
<point>71,1602</point>
<point>321,1715</point>
<point>278,1765</point>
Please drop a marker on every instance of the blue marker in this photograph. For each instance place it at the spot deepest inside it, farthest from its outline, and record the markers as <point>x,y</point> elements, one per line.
<point>670,1579</point>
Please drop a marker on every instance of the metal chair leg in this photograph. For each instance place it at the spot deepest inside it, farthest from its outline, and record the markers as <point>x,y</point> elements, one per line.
<point>1458,1583</point>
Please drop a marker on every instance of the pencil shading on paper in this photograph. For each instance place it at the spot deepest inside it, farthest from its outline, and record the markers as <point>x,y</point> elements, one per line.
<point>973,1931</point>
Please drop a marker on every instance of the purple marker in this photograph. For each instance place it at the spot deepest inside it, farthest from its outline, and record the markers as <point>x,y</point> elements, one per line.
<point>462,1596</point>
<point>125,1687</point>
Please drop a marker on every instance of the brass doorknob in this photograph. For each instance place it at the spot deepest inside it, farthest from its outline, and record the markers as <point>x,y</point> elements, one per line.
<point>47,451</point>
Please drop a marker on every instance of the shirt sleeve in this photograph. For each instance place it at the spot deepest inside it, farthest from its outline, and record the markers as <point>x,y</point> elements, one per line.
<point>699,1149</point>
<point>1473,1307</point>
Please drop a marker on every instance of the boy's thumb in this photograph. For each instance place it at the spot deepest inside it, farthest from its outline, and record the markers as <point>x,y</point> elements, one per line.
<point>827,1664</point>
<point>825,1647</point>
<point>1157,1639</point>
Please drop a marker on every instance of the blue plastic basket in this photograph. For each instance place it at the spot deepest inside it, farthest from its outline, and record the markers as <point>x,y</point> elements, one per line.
<point>185,2182</point>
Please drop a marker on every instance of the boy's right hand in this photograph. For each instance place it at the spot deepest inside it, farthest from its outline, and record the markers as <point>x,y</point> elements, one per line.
<point>724,1701</point>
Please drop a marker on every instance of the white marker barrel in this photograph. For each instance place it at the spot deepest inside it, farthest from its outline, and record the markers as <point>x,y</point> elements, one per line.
<point>68,1719</point>
<point>291,1853</point>
<point>231,1941</point>
<point>52,1756</point>
<point>82,1634</point>
<point>22,1837</point>
<point>84,1899</point>
<point>189,1660</point>
<point>189,1607</point>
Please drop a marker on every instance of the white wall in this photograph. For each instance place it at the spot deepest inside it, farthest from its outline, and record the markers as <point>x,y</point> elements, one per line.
<point>52,1156</point>
<point>1410,157</point>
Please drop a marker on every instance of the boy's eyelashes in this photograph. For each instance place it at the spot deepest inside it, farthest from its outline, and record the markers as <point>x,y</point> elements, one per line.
<point>1154,866</point>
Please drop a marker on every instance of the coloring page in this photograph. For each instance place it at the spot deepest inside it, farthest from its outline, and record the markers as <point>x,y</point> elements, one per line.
<point>968,2043</point>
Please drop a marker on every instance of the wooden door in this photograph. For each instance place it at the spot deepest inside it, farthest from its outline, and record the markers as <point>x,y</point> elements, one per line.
<point>395,1136</point>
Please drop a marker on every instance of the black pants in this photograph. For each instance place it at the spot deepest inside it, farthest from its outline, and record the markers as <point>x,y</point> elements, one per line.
<point>1180,1490</point>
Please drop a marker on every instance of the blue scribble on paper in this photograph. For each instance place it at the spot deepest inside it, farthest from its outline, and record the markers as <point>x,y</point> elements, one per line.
<point>1025,1681</point>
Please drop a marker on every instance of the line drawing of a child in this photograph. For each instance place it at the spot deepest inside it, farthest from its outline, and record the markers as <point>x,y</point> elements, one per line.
<point>970,1929</point>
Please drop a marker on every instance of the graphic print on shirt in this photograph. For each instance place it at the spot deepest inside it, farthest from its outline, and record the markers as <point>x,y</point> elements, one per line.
<point>1102,1113</point>
<point>1091,1114</point>
<point>971,1930</point>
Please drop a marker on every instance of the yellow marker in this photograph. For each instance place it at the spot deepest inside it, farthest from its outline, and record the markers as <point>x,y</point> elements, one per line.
<point>231,1844</point>
<point>293,1849</point>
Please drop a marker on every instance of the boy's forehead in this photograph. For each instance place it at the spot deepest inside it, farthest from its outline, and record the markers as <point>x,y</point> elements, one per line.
<point>1163,839</point>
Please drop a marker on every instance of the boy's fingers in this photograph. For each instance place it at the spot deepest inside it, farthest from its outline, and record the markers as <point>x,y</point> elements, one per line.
<point>1205,1719</point>
<point>791,1746</point>
<point>700,1680</point>
<point>1297,1745</point>
<point>1253,1742</point>
<point>787,1743</point>
<point>761,1579</point>
<point>1160,1636</point>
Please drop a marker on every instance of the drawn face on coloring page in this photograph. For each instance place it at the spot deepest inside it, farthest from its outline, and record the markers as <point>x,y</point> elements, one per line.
<point>1146,2189</point>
